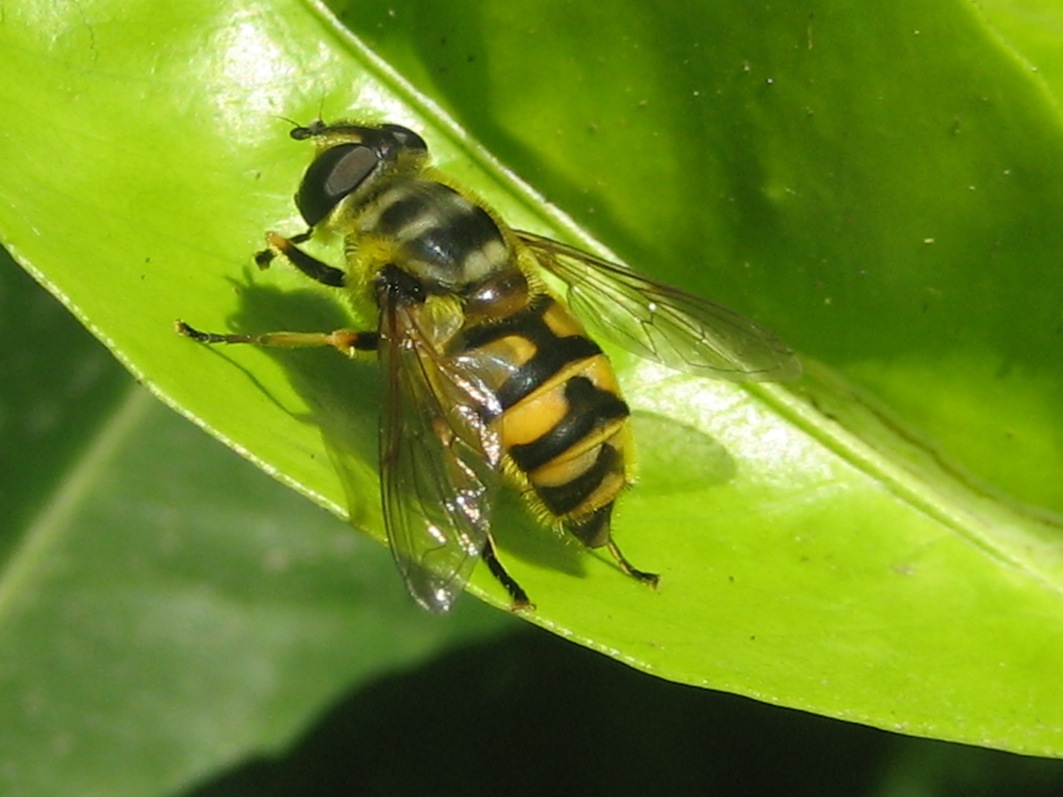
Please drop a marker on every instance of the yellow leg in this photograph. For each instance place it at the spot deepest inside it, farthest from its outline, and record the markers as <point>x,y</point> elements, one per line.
<point>348,341</point>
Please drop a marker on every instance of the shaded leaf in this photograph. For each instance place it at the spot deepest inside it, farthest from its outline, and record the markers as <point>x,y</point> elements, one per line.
<point>879,186</point>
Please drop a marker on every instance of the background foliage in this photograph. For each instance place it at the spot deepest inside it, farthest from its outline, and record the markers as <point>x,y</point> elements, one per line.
<point>879,544</point>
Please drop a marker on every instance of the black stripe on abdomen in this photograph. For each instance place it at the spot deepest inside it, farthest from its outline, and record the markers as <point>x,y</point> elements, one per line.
<point>552,352</point>
<point>547,362</point>
<point>564,498</point>
<point>589,408</point>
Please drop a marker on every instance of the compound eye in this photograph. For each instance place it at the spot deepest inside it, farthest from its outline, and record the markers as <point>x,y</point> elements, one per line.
<point>333,175</point>
<point>406,137</point>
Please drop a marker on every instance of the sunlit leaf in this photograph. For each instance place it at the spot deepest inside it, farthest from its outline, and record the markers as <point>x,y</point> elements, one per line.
<point>879,542</point>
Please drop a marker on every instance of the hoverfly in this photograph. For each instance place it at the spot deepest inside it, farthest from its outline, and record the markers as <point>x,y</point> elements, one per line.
<point>488,377</point>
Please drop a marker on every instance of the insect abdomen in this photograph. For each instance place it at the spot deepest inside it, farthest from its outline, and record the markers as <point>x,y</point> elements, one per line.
<point>563,422</point>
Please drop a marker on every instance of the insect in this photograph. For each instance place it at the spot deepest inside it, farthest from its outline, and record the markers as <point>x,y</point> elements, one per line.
<point>488,376</point>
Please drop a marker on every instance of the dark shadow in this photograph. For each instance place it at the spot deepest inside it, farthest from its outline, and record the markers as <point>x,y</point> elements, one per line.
<point>344,395</point>
<point>532,714</point>
<point>674,457</point>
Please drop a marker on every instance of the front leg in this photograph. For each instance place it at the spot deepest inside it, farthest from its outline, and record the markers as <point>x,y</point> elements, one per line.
<point>286,248</point>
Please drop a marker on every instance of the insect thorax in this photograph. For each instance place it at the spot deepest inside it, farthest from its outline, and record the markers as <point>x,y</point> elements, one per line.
<point>441,238</point>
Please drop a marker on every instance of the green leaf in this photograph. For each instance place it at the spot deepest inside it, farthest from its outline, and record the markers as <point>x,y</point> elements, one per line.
<point>164,608</point>
<point>879,542</point>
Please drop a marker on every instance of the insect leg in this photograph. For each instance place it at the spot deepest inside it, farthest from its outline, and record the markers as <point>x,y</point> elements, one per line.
<point>347,341</point>
<point>516,592</point>
<point>279,246</point>
<point>641,575</point>
<point>594,532</point>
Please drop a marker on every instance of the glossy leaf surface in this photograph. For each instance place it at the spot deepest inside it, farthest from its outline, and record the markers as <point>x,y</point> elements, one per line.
<point>881,187</point>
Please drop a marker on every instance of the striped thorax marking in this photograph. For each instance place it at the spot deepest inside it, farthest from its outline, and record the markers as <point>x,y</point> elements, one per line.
<point>445,239</point>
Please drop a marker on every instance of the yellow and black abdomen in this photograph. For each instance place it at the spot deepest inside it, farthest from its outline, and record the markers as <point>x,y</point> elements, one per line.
<point>563,425</point>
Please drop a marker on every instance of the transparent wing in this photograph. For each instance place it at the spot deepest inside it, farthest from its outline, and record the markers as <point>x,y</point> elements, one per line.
<point>439,460</point>
<point>662,323</point>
